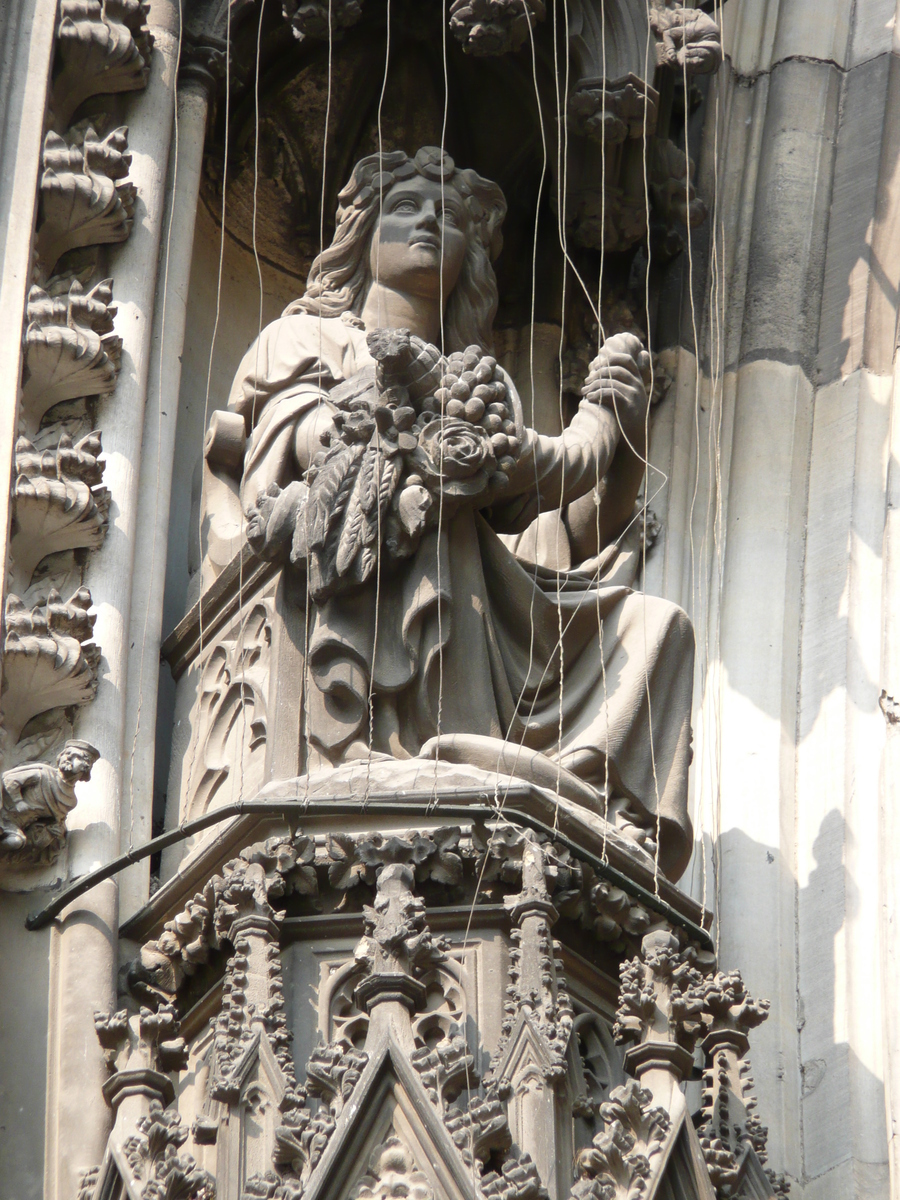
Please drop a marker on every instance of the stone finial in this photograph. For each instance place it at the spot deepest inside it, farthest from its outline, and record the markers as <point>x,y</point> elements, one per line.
<point>661,1005</point>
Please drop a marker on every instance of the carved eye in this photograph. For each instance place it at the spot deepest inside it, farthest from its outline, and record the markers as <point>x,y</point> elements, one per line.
<point>450,216</point>
<point>406,206</point>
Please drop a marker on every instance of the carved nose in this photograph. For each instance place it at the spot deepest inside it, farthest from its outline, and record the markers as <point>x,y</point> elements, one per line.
<point>428,215</point>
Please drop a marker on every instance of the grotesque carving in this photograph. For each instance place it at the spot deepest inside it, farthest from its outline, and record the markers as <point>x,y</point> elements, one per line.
<point>610,111</point>
<point>103,47</point>
<point>82,204</point>
<point>310,18</point>
<point>35,800</point>
<point>422,617</point>
<point>688,41</point>
<point>48,660</point>
<point>58,502</point>
<point>70,347</point>
<point>494,26</point>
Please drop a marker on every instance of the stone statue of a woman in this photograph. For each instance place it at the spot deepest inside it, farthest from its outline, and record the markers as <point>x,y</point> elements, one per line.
<point>392,475</point>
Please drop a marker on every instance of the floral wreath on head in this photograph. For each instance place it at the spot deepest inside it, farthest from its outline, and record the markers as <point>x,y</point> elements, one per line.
<point>338,276</point>
<point>484,200</point>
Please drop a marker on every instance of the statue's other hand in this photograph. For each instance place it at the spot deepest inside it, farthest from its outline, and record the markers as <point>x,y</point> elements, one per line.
<point>617,379</point>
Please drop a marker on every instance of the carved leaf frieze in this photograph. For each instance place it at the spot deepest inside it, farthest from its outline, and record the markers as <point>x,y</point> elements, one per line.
<point>103,46</point>
<point>82,202</point>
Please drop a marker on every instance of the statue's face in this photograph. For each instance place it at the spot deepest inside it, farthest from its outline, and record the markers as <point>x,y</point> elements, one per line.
<point>75,764</point>
<point>419,242</point>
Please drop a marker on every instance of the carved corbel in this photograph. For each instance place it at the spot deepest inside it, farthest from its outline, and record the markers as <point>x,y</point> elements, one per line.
<point>104,46</point>
<point>687,40</point>
<point>82,204</point>
<point>309,18</point>
<point>58,503</point>
<point>48,659</point>
<point>70,347</point>
<point>488,27</point>
<point>35,799</point>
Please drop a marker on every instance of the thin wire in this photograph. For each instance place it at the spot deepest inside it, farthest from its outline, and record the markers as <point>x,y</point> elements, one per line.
<point>162,344</point>
<point>601,338</point>
<point>242,624</point>
<point>646,459</point>
<point>159,445</point>
<point>562,148</point>
<point>371,696</point>
<point>212,349</point>
<point>307,687</point>
<point>440,520</point>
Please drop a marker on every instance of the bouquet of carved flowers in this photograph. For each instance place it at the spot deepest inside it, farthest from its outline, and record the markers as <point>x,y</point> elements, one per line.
<point>414,439</point>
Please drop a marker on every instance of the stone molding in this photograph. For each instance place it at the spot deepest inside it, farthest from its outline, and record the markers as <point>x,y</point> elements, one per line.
<point>71,351</point>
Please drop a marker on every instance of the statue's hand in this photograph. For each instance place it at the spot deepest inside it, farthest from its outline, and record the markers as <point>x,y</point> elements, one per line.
<point>617,379</point>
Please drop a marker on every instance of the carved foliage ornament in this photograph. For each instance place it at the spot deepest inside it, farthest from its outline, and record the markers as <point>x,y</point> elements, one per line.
<point>48,658</point>
<point>58,502</point>
<point>152,1154</point>
<point>103,46</point>
<point>82,201</point>
<point>70,347</point>
<point>443,856</point>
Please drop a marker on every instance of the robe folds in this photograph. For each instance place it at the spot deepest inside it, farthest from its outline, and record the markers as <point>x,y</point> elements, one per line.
<point>466,636</point>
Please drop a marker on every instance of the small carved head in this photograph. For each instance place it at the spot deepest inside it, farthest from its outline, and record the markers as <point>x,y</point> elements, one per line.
<point>76,760</point>
<point>469,212</point>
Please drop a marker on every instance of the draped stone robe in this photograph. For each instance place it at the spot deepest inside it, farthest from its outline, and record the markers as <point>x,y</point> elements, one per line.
<point>465,636</point>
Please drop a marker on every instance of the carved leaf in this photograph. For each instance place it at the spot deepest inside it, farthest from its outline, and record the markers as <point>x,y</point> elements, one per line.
<point>47,660</point>
<point>103,48</point>
<point>70,348</point>
<point>81,203</point>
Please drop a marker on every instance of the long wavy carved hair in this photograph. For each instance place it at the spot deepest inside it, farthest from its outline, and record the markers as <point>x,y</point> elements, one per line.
<point>339,279</point>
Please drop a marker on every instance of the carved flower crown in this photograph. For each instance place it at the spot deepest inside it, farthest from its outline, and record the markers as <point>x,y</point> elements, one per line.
<point>483,199</point>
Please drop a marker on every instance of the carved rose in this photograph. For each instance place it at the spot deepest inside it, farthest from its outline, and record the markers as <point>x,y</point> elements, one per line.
<point>455,457</point>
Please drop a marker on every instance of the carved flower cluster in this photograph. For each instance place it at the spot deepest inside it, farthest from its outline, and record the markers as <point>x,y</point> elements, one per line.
<point>412,444</point>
